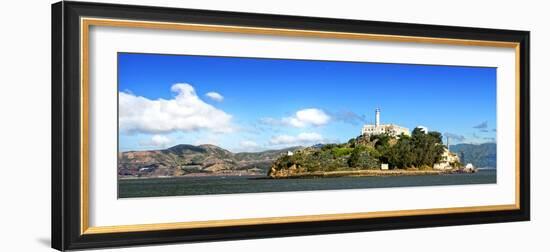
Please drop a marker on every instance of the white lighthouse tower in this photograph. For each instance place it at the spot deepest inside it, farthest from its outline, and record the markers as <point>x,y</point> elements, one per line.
<point>377,117</point>
<point>378,128</point>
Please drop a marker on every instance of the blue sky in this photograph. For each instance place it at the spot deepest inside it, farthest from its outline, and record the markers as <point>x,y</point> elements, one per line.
<point>250,104</point>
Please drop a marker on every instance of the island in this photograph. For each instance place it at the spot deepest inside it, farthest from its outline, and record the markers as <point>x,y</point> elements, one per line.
<point>421,153</point>
<point>380,150</point>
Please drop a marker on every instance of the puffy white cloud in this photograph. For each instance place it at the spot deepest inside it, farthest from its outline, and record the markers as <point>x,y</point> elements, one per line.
<point>306,117</point>
<point>185,112</point>
<point>302,118</point>
<point>160,140</point>
<point>215,96</point>
<point>302,138</point>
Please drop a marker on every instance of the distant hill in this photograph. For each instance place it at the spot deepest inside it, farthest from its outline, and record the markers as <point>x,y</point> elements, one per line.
<point>480,155</point>
<point>187,159</point>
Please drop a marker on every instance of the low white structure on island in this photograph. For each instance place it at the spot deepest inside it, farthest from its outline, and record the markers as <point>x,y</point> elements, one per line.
<point>448,158</point>
<point>378,129</point>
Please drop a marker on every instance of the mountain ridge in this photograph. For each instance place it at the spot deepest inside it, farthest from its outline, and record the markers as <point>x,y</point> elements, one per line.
<point>480,155</point>
<point>205,159</point>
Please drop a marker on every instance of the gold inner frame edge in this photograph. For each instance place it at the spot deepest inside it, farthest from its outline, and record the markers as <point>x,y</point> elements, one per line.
<point>85,24</point>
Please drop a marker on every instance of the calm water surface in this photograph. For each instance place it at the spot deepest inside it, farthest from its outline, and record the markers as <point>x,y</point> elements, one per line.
<point>130,188</point>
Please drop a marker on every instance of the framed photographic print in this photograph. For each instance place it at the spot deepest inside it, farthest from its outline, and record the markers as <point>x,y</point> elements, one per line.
<point>180,125</point>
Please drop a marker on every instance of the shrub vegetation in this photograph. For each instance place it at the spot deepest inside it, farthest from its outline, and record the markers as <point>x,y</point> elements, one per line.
<point>420,150</point>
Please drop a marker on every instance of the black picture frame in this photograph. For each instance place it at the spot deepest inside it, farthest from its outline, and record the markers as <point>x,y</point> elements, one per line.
<point>66,124</point>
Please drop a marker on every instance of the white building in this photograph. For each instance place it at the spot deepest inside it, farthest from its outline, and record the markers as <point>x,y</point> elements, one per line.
<point>378,129</point>
<point>447,160</point>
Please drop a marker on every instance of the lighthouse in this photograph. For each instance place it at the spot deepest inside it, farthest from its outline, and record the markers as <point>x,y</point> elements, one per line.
<point>377,128</point>
<point>377,117</point>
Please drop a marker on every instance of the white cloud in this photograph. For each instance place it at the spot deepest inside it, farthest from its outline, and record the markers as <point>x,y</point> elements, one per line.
<point>306,117</point>
<point>215,96</point>
<point>185,112</point>
<point>157,141</point>
<point>302,138</point>
<point>302,118</point>
<point>248,144</point>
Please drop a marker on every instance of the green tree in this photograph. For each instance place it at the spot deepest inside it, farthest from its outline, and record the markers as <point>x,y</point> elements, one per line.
<point>383,146</point>
<point>361,158</point>
<point>402,153</point>
<point>341,151</point>
<point>428,148</point>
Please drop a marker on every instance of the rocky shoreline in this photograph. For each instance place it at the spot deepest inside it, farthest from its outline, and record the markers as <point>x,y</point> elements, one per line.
<point>366,173</point>
<point>300,174</point>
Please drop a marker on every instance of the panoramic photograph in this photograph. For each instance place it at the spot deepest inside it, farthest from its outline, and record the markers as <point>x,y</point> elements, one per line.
<point>206,125</point>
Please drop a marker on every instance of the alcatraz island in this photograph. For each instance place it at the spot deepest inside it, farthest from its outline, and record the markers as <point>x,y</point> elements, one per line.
<point>380,150</point>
